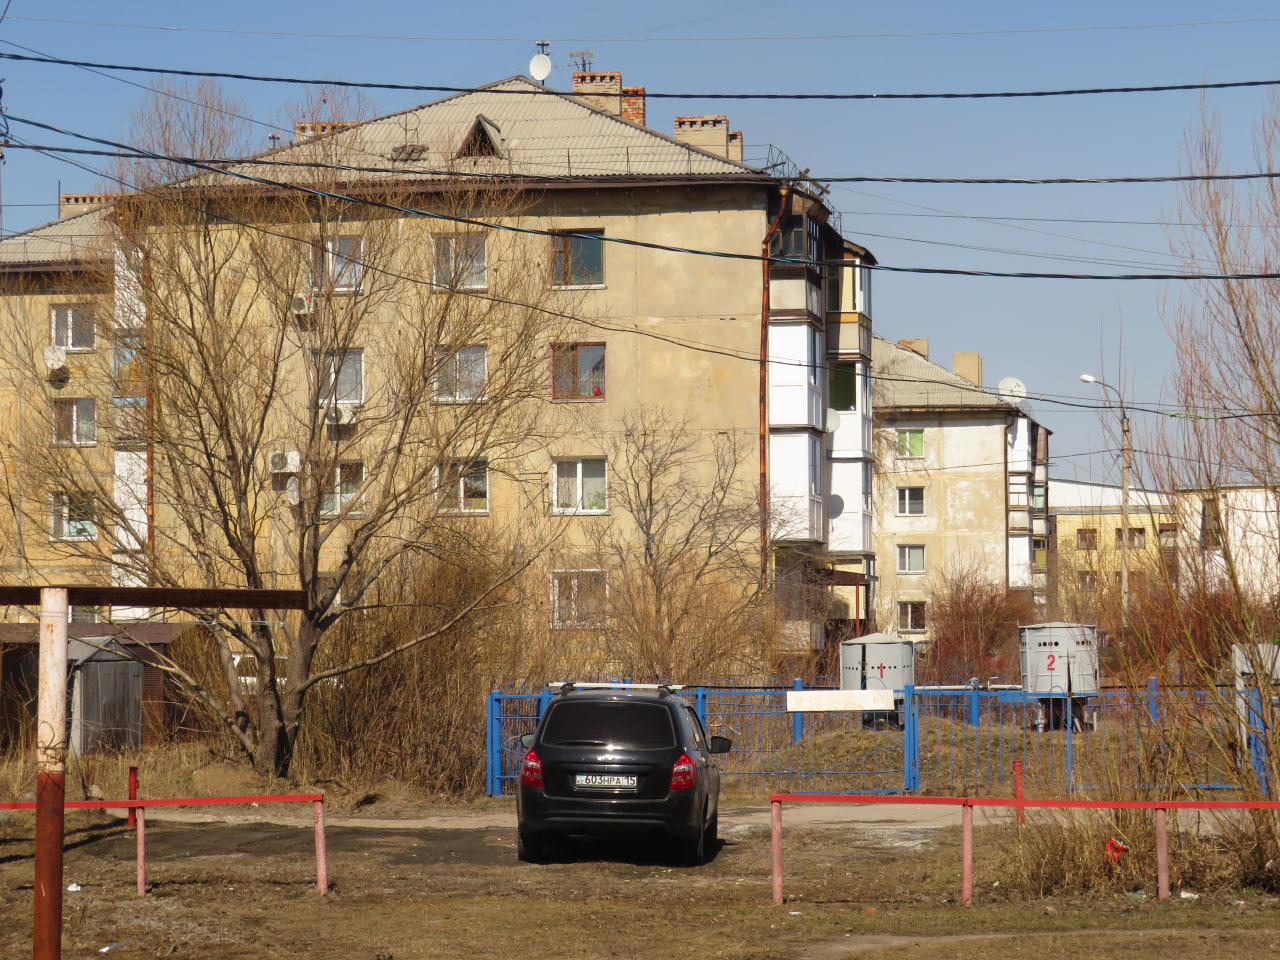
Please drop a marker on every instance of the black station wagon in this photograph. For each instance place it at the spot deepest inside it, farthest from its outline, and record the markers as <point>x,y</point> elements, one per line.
<point>619,761</point>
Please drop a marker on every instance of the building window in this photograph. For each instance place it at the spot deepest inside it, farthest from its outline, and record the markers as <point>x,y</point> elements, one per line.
<point>911,443</point>
<point>464,486</point>
<point>581,486</point>
<point>462,376</point>
<point>911,501</point>
<point>1137,537</point>
<point>345,497</point>
<point>341,376</point>
<point>578,598</point>
<point>1039,552</point>
<point>73,516</point>
<point>127,374</point>
<point>1086,581</point>
<point>911,558</point>
<point>1168,535</point>
<point>1210,525</point>
<point>461,261</point>
<point>577,371</point>
<point>844,386</point>
<point>343,263</point>
<point>1086,538</point>
<point>73,328</point>
<point>911,616</point>
<point>1039,496</point>
<point>577,258</point>
<point>867,483</point>
<point>75,421</point>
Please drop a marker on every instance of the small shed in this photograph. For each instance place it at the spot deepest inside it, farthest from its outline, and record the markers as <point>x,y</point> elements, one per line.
<point>878,661</point>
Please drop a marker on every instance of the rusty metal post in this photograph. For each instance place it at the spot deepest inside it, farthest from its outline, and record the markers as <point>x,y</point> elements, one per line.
<point>142,851</point>
<point>133,795</point>
<point>51,772</point>
<point>1162,853</point>
<point>1017,790</point>
<point>775,831</point>
<point>966,855</point>
<point>322,859</point>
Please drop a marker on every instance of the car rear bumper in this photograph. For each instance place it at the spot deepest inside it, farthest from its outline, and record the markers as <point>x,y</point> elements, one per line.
<point>678,815</point>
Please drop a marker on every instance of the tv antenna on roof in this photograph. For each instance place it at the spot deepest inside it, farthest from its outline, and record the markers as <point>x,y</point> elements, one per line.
<point>584,59</point>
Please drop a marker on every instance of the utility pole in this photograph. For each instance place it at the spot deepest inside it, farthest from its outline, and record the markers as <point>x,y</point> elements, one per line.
<point>1126,465</point>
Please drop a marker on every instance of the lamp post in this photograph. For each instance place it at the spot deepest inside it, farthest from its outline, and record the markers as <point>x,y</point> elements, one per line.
<point>1126,454</point>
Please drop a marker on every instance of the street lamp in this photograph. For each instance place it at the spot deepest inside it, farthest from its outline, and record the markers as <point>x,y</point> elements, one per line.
<point>1126,452</point>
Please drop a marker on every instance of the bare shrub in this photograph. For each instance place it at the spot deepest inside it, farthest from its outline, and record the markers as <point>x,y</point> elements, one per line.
<point>973,622</point>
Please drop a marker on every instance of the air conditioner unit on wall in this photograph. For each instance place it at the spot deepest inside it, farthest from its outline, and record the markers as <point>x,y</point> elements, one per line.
<point>304,305</point>
<point>286,461</point>
<point>342,413</point>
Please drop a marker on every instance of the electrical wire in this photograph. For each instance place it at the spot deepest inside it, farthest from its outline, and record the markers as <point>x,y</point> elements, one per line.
<point>539,91</point>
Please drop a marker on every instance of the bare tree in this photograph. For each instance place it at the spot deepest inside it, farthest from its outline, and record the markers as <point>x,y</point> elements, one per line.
<point>308,389</point>
<point>973,622</point>
<point>683,597</point>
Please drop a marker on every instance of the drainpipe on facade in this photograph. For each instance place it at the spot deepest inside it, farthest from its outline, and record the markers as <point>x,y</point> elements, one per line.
<point>784,194</point>
<point>1008,426</point>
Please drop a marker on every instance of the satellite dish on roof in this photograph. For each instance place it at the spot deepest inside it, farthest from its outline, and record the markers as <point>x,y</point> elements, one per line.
<point>1012,390</point>
<point>540,67</point>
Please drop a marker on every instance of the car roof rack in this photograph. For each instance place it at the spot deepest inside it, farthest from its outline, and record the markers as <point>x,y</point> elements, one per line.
<point>567,686</point>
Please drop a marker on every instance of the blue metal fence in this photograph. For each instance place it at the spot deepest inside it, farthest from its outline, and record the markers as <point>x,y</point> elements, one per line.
<point>952,742</point>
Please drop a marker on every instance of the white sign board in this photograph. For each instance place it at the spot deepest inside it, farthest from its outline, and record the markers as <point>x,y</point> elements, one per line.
<point>818,701</point>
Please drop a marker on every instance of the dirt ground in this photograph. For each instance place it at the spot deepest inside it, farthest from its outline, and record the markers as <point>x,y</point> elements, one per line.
<point>447,883</point>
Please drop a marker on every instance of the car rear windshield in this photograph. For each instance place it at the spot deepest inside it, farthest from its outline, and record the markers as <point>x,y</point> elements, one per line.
<point>610,722</point>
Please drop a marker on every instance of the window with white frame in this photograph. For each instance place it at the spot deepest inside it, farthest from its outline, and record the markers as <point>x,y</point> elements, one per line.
<point>460,261</point>
<point>843,386</point>
<point>911,558</point>
<point>72,516</point>
<point>344,263</point>
<point>72,328</point>
<point>911,616</point>
<point>75,421</point>
<point>464,486</point>
<point>578,599</point>
<point>462,375</point>
<point>911,501</point>
<point>341,376</point>
<point>344,495</point>
<point>580,485</point>
<point>911,443</point>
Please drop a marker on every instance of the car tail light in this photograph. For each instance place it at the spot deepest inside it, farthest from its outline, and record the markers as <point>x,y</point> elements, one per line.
<point>683,773</point>
<point>531,770</point>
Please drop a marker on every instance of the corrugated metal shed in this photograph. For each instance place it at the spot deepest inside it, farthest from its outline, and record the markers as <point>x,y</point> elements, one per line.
<point>512,128</point>
<point>904,380</point>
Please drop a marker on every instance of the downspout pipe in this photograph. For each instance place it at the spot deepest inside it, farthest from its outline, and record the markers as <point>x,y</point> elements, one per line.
<point>784,195</point>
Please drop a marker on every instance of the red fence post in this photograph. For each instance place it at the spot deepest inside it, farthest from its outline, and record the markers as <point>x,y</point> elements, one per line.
<point>322,860</point>
<point>1017,790</point>
<point>133,795</point>
<point>775,829</point>
<point>966,855</point>
<point>142,850</point>
<point>1162,853</point>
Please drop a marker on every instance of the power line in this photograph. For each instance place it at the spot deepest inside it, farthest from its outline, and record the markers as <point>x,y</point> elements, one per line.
<point>537,91</point>
<point>931,34</point>
<point>630,242</point>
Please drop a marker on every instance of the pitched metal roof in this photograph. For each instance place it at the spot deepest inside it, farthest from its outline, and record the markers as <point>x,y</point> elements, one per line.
<point>906,380</point>
<point>535,133</point>
<point>69,240</point>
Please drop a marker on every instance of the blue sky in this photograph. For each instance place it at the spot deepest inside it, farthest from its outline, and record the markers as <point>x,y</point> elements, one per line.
<point>1045,332</point>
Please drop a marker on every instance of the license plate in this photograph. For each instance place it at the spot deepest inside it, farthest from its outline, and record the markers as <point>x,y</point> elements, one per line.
<point>606,780</point>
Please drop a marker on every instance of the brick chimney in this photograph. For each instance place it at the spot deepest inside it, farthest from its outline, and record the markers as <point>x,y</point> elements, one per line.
<point>633,104</point>
<point>711,133</point>
<point>70,204</point>
<point>602,89</point>
<point>968,365</point>
<point>918,345</point>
